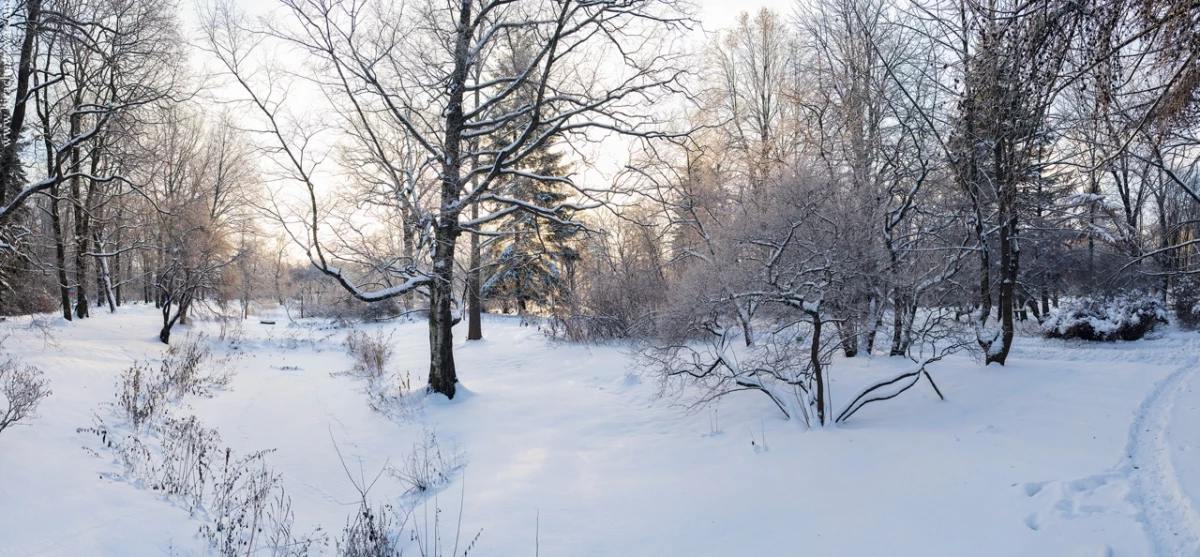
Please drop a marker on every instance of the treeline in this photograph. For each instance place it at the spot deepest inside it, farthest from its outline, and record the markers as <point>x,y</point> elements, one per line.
<point>118,183</point>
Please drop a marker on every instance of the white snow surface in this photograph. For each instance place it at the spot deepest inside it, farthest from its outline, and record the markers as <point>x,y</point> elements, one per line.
<point>1072,449</point>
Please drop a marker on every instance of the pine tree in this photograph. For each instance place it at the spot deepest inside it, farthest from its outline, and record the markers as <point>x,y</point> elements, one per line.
<point>531,257</point>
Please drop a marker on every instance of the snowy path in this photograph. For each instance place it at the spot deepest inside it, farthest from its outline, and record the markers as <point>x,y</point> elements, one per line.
<point>1146,483</point>
<point>1168,511</point>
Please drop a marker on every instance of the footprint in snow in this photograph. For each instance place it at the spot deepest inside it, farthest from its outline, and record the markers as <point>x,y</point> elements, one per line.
<point>1034,488</point>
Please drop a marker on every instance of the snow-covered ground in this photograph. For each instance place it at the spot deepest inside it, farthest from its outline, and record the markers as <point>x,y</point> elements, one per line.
<point>1071,449</point>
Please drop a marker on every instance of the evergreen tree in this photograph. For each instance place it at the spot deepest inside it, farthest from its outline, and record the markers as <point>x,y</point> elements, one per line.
<point>531,259</point>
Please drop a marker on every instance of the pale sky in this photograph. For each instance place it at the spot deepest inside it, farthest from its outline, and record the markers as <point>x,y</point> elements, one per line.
<point>715,14</point>
<point>718,14</point>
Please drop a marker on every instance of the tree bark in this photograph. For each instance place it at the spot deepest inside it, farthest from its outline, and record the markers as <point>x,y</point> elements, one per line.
<point>442,375</point>
<point>81,236</point>
<point>899,327</point>
<point>60,254</point>
<point>818,371</point>
<point>16,122</point>
<point>474,311</point>
<point>116,279</point>
<point>1009,262</point>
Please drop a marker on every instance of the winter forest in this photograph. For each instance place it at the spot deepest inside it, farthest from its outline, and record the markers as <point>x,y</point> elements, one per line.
<point>603,277</point>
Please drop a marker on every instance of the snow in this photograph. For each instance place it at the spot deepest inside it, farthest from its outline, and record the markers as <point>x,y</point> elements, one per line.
<point>1073,448</point>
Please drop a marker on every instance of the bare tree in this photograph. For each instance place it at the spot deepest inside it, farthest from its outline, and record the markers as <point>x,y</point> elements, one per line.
<point>418,70</point>
<point>21,389</point>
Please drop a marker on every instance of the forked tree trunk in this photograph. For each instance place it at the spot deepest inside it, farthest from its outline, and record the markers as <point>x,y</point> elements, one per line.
<point>1009,257</point>
<point>1008,272</point>
<point>106,282</point>
<point>170,319</point>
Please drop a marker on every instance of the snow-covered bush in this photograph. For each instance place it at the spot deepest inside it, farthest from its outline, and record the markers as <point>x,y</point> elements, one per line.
<point>390,394</point>
<point>140,395</point>
<point>188,451</point>
<point>230,330</point>
<point>371,353</point>
<point>28,297</point>
<point>252,515</point>
<point>242,500</point>
<point>1107,319</point>
<point>181,365</point>
<point>21,389</point>
<point>374,312</point>
<point>372,532</point>
<point>429,466</point>
<point>189,368</point>
<point>620,286</point>
<point>248,511</point>
<point>1186,304</point>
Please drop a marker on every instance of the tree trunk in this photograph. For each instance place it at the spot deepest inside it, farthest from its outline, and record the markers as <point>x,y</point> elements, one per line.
<point>897,324</point>
<point>60,254</point>
<point>474,311</point>
<point>81,235</point>
<point>442,375</point>
<point>20,93</point>
<point>169,319</point>
<point>116,281</point>
<point>848,333</point>
<point>876,321</point>
<point>985,278</point>
<point>1009,262</point>
<point>818,371</point>
<point>747,328</point>
<point>105,278</point>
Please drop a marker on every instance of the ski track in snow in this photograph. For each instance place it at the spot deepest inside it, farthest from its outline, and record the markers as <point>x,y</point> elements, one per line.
<point>1146,474</point>
<point>1167,512</point>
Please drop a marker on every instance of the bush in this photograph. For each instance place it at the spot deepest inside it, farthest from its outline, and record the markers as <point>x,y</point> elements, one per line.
<point>246,508</point>
<point>252,514</point>
<point>430,466</point>
<point>372,532</point>
<point>371,354</point>
<point>1186,303</point>
<point>21,389</point>
<point>188,368</point>
<point>140,395</point>
<point>1107,319</point>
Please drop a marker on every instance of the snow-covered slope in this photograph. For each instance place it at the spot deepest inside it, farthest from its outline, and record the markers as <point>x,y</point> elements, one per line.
<point>1072,449</point>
